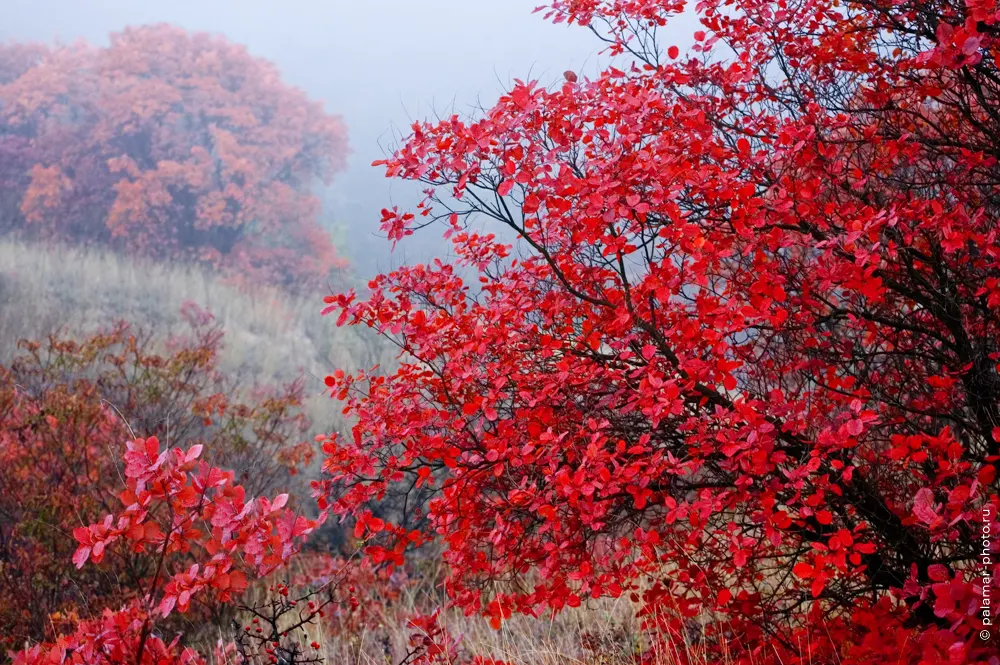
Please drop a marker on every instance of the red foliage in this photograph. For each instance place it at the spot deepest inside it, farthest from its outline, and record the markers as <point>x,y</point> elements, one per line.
<point>170,145</point>
<point>361,594</point>
<point>65,407</point>
<point>174,503</point>
<point>114,637</point>
<point>742,364</point>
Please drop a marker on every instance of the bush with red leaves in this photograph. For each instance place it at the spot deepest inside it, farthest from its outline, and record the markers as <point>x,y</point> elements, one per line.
<point>176,510</point>
<point>741,363</point>
<point>66,406</point>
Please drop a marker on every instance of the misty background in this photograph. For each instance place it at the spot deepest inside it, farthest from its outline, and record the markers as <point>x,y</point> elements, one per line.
<point>379,64</point>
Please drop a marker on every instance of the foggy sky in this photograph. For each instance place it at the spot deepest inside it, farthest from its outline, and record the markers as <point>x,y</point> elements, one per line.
<point>377,63</point>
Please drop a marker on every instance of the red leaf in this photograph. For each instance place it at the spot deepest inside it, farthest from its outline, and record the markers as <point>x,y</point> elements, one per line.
<point>81,555</point>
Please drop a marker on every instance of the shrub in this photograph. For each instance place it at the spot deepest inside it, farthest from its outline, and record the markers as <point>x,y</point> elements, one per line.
<point>65,408</point>
<point>740,366</point>
<point>199,537</point>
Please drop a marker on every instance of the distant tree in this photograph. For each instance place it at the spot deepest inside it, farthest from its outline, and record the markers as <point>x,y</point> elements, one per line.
<point>15,59</point>
<point>15,148</point>
<point>170,145</point>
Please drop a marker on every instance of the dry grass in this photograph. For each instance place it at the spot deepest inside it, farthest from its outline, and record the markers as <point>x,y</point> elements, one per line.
<point>600,632</point>
<point>604,632</point>
<point>270,336</point>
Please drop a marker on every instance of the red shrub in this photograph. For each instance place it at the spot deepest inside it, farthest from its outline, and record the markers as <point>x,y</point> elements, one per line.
<point>65,408</point>
<point>742,364</point>
<point>175,509</point>
<point>175,504</point>
<point>114,637</point>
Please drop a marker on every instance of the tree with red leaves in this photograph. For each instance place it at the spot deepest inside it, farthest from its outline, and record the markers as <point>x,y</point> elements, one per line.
<point>740,361</point>
<point>170,145</point>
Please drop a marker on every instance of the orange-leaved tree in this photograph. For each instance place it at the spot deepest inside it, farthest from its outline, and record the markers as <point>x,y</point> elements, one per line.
<point>171,145</point>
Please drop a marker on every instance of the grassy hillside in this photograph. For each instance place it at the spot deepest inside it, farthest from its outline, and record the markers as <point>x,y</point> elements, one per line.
<point>270,336</point>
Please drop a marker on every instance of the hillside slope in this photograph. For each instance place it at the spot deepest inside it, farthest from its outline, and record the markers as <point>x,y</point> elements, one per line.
<point>269,335</point>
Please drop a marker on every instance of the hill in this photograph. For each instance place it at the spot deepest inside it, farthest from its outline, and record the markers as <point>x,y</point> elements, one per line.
<point>269,335</point>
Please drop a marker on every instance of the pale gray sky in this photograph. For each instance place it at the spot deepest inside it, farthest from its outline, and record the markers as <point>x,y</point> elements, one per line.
<point>377,63</point>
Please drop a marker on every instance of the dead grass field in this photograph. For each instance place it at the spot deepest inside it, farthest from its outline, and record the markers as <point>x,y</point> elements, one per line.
<point>603,632</point>
<point>269,335</point>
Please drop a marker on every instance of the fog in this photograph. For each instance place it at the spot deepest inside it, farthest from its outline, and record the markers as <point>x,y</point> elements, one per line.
<point>379,64</point>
